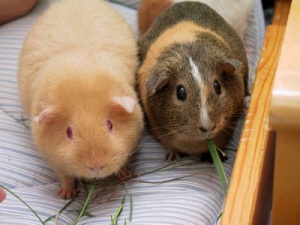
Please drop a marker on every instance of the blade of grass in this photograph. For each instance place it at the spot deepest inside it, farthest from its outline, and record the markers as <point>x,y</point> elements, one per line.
<point>60,211</point>
<point>160,168</point>
<point>86,202</point>
<point>168,166</point>
<point>218,218</point>
<point>23,203</point>
<point>231,149</point>
<point>115,192</point>
<point>116,216</point>
<point>218,164</point>
<point>131,204</point>
<point>169,180</point>
<point>131,208</point>
<point>87,214</point>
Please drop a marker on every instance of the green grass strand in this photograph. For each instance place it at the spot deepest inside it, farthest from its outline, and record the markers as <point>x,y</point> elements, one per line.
<point>218,164</point>
<point>114,220</point>
<point>86,202</point>
<point>60,211</point>
<point>23,203</point>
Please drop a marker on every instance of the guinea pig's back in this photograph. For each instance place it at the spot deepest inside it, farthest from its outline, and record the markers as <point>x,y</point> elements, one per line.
<point>195,12</point>
<point>91,26</point>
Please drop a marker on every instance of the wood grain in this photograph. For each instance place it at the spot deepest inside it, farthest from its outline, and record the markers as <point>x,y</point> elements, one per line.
<point>286,198</point>
<point>249,196</point>
<point>285,120</point>
<point>285,106</point>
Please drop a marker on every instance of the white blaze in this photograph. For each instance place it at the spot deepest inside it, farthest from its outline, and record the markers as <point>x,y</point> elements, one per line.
<point>198,79</point>
<point>195,71</point>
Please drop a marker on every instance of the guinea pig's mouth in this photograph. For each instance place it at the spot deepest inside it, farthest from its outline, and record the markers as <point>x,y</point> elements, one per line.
<point>197,134</point>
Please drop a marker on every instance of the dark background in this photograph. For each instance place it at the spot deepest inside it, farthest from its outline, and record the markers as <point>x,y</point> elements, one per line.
<point>267,4</point>
<point>268,10</point>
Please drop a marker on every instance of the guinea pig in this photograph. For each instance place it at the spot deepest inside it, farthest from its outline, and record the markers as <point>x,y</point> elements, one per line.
<point>235,12</point>
<point>77,84</point>
<point>192,79</point>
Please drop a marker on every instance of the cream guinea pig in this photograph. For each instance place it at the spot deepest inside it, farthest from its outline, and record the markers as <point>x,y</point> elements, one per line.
<point>235,12</point>
<point>192,79</point>
<point>77,84</point>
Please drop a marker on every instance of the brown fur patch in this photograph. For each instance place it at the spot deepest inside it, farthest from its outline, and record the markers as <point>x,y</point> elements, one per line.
<point>148,11</point>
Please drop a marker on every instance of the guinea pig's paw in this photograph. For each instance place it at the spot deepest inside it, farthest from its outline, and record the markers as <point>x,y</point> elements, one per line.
<point>67,190</point>
<point>124,174</point>
<point>178,156</point>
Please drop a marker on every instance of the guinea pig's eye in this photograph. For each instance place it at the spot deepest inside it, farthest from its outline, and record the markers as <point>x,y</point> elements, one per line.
<point>109,125</point>
<point>217,87</point>
<point>69,132</point>
<point>181,93</point>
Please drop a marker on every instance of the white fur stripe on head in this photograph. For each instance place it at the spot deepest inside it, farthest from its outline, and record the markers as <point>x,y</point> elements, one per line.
<point>197,77</point>
<point>195,71</point>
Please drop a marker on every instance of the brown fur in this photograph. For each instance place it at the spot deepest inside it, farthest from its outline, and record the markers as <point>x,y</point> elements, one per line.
<point>201,35</point>
<point>80,74</point>
<point>235,12</point>
<point>148,11</point>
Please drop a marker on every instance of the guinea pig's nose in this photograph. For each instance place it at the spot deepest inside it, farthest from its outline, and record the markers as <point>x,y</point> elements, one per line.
<point>204,129</point>
<point>96,168</point>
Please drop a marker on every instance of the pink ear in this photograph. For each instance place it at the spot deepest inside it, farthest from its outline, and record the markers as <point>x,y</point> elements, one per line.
<point>45,116</point>
<point>126,103</point>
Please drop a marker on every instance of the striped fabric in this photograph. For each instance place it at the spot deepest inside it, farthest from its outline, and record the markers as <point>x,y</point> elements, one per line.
<point>187,193</point>
<point>129,3</point>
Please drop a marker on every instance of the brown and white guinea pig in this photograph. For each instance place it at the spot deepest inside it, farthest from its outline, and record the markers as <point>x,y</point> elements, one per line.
<point>77,84</point>
<point>235,12</point>
<point>192,79</point>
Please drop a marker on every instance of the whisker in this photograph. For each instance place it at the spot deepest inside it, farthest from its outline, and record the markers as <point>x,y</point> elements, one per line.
<point>168,134</point>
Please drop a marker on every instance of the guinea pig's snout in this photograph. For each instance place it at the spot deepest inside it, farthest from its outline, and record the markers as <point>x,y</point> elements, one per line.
<point>97,170</point>
<point>207,128</point>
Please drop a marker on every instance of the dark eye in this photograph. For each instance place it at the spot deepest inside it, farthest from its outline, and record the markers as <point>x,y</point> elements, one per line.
<point>109,125</point>
<point>217,87</point>
<point>181,93</point>
<point>69,132</point>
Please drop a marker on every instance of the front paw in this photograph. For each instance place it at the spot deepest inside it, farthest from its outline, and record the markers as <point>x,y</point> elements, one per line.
<point>67,190</point>
<point>170,157</point>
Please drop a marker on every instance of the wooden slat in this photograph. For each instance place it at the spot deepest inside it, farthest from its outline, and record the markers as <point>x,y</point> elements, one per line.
<point>285,120</point>
<point>285,105</point>
<point>286,199</point>
<point>249,189</point>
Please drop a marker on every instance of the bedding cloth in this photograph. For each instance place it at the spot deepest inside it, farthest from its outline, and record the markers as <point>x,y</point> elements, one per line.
<point>186,192</point>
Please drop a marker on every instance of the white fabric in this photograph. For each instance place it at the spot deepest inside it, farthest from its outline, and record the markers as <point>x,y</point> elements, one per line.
<point>195,199</point>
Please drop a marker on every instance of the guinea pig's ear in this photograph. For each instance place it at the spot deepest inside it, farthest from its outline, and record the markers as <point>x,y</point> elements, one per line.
<point>125,102</point>
<point>156,82</point>
<point>46,116</point>
<point>231,65</point>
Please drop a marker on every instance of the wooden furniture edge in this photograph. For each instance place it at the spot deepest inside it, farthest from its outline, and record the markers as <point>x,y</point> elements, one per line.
<point>248,200</point>
<point>285,121</point>
<point>285,108</point>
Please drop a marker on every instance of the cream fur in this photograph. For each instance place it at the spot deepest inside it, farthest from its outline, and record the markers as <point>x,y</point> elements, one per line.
<point>81,25</point>
<point>77,69</point>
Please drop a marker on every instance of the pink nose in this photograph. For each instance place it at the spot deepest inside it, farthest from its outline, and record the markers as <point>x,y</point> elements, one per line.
<point>96,168</point>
